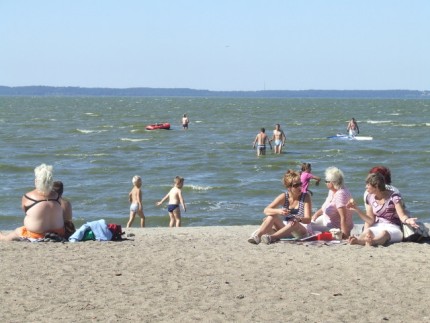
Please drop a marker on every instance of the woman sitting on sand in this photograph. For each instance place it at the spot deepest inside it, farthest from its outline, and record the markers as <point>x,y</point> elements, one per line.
<point>334,213</point>
<point>43,212</point>
<point>289,213</point>
<point>384,214</point>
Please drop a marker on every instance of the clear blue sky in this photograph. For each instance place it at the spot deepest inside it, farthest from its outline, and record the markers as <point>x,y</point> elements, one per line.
<point>217,44</point>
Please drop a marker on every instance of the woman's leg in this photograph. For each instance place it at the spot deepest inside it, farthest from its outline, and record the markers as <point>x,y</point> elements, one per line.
<point>268,223</point>
<point>291,229</point>
<point>12,236</point>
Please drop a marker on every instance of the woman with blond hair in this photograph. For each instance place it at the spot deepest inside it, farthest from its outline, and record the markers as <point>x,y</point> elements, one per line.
<point>289,213</point>
<point>42,208</point>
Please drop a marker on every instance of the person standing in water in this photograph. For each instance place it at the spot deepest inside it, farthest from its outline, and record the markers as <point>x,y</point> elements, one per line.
<point>260,142</point>
<point>278,138</point>
<point>352,128</point>
<point>185,121</point>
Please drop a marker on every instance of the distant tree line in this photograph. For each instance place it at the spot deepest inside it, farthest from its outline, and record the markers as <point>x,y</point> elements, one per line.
<point>184,92</point>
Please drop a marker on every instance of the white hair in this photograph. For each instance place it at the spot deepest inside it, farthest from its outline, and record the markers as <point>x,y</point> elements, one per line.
<point>334,175</point>
<point>44,178</point>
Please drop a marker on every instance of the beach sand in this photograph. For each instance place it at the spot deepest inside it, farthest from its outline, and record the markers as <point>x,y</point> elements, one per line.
<point>212,274</point>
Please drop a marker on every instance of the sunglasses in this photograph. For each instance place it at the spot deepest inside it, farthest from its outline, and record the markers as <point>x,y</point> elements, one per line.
<point>296,185</point>
<point>327,182</point>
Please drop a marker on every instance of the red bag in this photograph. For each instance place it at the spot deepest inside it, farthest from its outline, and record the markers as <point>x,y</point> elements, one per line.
<point>116,231</point>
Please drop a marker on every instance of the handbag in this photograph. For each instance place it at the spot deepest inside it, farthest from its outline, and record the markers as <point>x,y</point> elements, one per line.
<point>411,234</point>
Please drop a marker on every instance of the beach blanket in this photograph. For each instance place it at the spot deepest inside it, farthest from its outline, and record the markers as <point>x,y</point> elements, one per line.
<point>48,237</point>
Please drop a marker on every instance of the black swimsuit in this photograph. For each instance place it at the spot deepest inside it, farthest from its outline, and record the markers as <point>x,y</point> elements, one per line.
<point>300,211</point>
<point>27,207</point>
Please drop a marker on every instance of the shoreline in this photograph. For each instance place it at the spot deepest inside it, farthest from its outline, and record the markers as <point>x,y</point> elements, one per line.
<point>212,274</point>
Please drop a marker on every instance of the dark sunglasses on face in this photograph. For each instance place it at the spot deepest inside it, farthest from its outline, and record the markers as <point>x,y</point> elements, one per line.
<point>327,182</point>
<point>296,185</point>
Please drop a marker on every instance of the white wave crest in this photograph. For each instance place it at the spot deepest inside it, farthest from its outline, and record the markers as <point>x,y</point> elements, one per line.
<point>199,188</point>
<point>85,131</point>
<point>378,121</point>
<point>133,139</point>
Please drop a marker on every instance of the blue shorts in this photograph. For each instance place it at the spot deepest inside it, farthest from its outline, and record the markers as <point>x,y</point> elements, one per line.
<point>172,207</point>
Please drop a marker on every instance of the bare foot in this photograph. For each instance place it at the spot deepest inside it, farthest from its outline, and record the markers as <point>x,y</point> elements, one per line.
<point>354,240</point>
<point>369,239</point>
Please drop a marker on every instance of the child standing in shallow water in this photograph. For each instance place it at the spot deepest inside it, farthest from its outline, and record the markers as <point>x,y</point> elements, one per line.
<point>175,199</point>
<point>135,198</point>
<point>306,176</point>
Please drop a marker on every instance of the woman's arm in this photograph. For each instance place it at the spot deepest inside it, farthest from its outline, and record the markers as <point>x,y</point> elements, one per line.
<point>403,217</point>
<point>67,210</point>
<point>23,204</point>
<point>343,226</point>
<point>367,217</point>
<point>273,208</point>
<point>317,214</point>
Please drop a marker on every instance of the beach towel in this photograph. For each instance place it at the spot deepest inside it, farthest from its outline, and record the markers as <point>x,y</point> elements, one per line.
<point>99,228</point>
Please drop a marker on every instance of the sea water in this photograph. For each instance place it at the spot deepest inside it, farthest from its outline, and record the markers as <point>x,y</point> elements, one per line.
<point>97,144</point>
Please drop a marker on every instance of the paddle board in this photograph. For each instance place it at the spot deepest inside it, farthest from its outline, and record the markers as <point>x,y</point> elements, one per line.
<point>340,136</point>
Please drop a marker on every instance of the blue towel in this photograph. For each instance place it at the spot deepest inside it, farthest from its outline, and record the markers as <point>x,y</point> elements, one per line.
<point>99,228</point>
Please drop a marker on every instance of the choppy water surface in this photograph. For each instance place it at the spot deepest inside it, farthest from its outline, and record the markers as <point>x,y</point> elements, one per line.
<point>96,145</point>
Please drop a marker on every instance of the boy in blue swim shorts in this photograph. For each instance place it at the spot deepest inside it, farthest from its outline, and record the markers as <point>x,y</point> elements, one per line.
<point>175,199</point>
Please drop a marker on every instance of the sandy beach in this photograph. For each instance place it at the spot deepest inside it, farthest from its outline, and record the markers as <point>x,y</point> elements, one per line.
<point>212,274</point>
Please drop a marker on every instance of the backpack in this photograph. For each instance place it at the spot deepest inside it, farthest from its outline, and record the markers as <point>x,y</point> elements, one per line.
<point>116,231</point>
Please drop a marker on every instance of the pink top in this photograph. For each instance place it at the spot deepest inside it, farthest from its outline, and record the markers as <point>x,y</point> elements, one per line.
<point>305,178</point>
<point>385,213</point>
<point>332,203</point>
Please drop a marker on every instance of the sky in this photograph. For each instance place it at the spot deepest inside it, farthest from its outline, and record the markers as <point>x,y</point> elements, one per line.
<point>218,45</point>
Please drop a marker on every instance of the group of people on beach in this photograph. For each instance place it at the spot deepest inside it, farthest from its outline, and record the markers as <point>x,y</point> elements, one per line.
<point>289,215</point>
<point>49,214</point>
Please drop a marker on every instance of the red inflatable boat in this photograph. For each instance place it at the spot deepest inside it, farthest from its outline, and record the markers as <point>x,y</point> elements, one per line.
<point>156,126</point>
